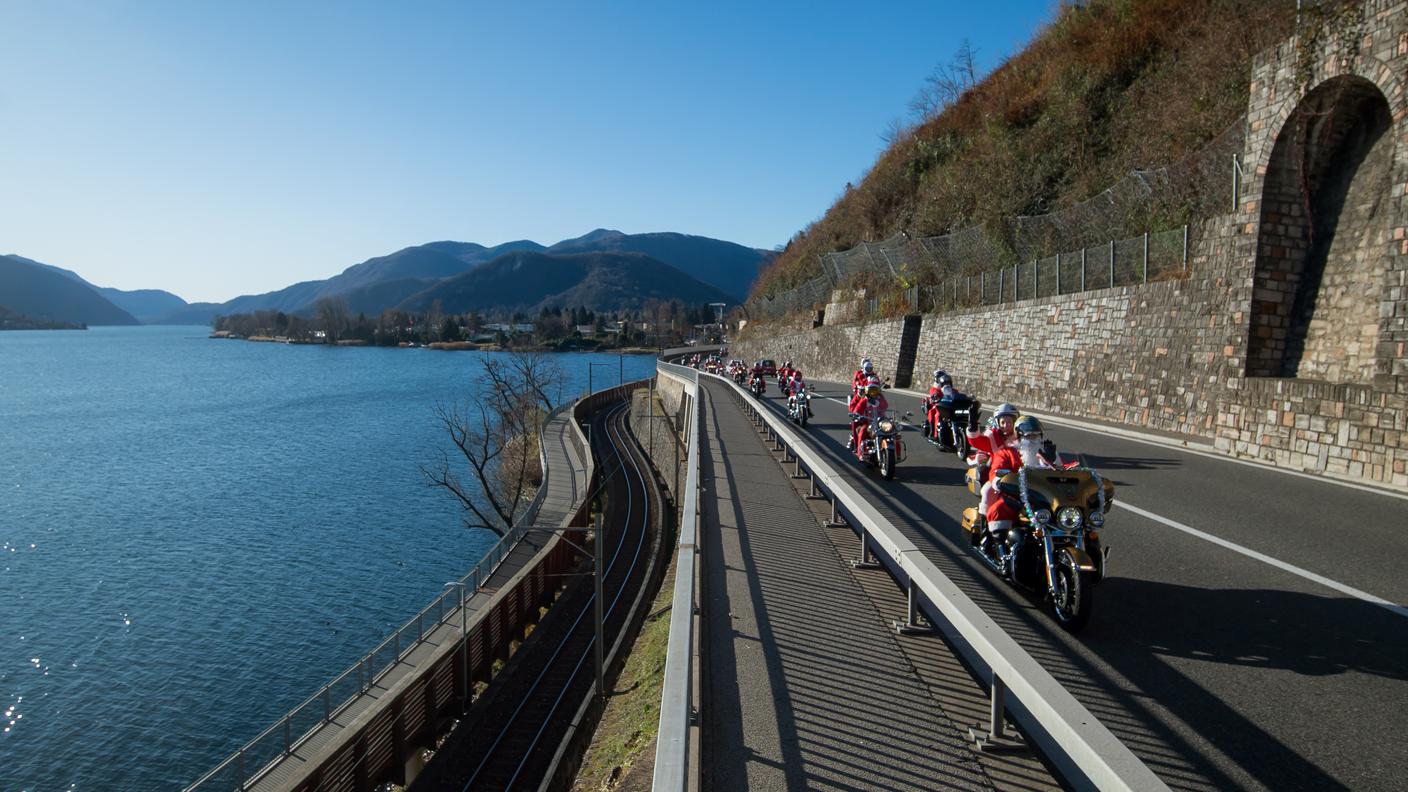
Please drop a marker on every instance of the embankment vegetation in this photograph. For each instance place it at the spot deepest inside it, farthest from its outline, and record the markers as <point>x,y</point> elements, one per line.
<point>1107,87</point>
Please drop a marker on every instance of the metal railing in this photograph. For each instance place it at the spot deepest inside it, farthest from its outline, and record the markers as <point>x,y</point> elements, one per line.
<point>1068,732</point>
<point>672,768</point>
<point>289,732</point>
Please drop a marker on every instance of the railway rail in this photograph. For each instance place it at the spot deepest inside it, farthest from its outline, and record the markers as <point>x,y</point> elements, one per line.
<point>511,743</point>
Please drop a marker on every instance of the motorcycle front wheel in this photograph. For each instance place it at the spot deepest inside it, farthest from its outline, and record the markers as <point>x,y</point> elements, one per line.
<point>802,415</point>
<point>1073,597</point>
<point>887,462</point>
<point>960,443</point>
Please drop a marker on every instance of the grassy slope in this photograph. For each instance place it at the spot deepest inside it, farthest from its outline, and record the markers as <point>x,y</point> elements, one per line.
<point>1102,90</point>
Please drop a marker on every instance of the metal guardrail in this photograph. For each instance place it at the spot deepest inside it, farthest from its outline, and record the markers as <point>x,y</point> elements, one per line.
<point>1078,740</point>
<point>672,769</point>
<point>289,732</point>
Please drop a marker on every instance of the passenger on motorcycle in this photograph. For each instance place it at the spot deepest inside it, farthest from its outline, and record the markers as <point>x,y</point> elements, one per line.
<point>1024,450</point>
<point>1000,431</point>
<point>784,372</point>
<point>866,406</point>
<point>862,376</point>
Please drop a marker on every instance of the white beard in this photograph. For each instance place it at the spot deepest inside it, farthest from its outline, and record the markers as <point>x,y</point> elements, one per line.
<point>1031,452</point>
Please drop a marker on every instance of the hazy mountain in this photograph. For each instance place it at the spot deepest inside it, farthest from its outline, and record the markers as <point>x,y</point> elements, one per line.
<point>144,304</point>
<point>729,267</point>
<point>48,293</point>
<point>530,280</point>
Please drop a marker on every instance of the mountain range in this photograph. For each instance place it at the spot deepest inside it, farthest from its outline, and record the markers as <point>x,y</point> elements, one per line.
<point>602,270</point>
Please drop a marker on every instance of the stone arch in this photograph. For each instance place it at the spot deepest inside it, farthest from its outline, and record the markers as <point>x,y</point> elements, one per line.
<point>1321,258</point>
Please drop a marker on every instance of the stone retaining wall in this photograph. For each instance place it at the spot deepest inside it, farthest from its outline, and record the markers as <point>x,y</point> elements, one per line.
<point>1267,292</point>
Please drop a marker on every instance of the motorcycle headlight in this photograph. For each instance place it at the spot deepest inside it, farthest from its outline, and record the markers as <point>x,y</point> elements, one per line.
<point>1069,517</point>
<point>1043,516</point>
<point>1096,519</point>
<point>887,426</point>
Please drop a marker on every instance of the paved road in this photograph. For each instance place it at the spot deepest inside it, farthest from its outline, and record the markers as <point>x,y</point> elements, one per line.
<point>1220,670</point>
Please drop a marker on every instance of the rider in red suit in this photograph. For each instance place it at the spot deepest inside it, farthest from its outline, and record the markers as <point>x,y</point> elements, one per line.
<point>866,406</point>
<point>1024,450</point>
<point>758,376</point>
<point>985,443</point>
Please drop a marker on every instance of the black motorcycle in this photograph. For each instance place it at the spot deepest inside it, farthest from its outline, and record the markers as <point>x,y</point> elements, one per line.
<point>946,423</point>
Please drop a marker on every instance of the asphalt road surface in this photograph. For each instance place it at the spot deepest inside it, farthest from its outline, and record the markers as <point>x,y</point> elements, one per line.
<point>1219,667</point>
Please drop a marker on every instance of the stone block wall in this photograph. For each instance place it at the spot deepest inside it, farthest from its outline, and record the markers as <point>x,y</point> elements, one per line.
<point>1210,354</point>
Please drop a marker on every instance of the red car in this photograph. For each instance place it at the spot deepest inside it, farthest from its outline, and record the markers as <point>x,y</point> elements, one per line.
<point>769,367</point>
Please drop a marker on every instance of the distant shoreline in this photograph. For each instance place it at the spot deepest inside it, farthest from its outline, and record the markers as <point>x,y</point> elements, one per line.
<point>447,346</point>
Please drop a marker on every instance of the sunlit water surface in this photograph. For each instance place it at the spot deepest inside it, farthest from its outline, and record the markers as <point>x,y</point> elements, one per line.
<point>196,534</point>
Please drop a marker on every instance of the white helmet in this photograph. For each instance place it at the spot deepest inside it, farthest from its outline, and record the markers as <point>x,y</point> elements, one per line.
<point>1006,408</point>
<point>866,366</point>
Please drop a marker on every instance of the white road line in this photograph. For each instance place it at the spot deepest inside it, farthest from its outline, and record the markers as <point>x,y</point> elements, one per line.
<point>1266,559</point>
<point>1206,450</point>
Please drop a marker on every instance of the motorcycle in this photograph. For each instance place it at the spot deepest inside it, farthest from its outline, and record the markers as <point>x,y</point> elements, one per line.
<point>882,447</point>
<point>740,376</point>
<point>1054,548</point>
<point>799,406</point>
<point>758,387</point>
<point>946,425</point>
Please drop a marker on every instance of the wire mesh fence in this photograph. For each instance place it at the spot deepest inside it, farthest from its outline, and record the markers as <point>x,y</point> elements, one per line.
<point>1037,255</point>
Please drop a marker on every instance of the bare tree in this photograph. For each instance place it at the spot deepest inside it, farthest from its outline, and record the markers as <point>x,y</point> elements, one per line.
<point>332,316</point>
<point>495,464</point>
<point>948,82</point>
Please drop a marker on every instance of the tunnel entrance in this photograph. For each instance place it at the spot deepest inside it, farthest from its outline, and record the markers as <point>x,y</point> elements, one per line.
<point>1321,254</point>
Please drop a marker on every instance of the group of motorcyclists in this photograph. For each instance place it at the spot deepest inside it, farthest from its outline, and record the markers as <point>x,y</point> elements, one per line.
<point>1035,510</point>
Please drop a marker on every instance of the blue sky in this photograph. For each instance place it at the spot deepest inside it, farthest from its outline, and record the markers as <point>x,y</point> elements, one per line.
<point>217,149</point>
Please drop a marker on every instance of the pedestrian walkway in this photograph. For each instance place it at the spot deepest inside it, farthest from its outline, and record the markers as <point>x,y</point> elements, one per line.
<point>806,685</point>
<point>565,476</point>
<point>565,479</point>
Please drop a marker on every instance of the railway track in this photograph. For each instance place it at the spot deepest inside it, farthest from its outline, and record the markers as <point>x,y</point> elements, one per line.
<point>512,741</point>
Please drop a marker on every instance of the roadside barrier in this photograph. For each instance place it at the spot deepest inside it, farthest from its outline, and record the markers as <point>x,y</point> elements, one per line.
<point>294,729</point>
<point>678,724</point>
<point>1083,749</point>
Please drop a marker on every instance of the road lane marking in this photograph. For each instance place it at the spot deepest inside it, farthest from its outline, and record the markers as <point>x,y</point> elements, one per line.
<point>1266,559</point>
<point>1205,450</point>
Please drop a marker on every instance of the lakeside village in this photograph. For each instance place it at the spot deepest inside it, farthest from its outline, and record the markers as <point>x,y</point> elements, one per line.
<point>655,325</point>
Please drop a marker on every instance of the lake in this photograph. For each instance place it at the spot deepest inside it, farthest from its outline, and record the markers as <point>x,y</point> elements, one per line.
<point>196,534</point>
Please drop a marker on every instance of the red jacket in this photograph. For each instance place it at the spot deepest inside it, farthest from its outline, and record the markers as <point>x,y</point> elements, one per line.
<point>859,405</point>
<point>1009,459</point>
<point>859,379</point>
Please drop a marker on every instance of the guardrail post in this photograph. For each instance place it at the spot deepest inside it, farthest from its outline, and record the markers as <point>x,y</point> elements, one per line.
<point>914,620</point>
<point>815,493</point>
<point>836,520</point>
<point>797,467</point>
<point>867,558</point>
<point>997,738</point>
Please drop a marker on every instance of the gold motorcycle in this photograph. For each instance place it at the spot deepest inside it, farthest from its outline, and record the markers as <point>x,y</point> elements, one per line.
<point>1054,548</point>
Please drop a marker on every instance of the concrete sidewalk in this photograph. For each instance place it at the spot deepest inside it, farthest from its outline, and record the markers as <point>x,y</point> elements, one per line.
<point>807,685</point>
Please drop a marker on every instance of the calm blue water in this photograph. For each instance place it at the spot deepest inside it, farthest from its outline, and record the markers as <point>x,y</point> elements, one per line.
<point>195,535</point>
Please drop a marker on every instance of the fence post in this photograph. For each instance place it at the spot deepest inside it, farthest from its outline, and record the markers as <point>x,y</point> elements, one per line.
<point>1236,180</point>
<point>1082,269</point>
<point>1145,276</point>
<point>1016,282</point>
<point>1185,247</point>
<point>1036,278</point>
<point>983,287</point>
<point>1058,274</point>
<point>1112,263</point>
